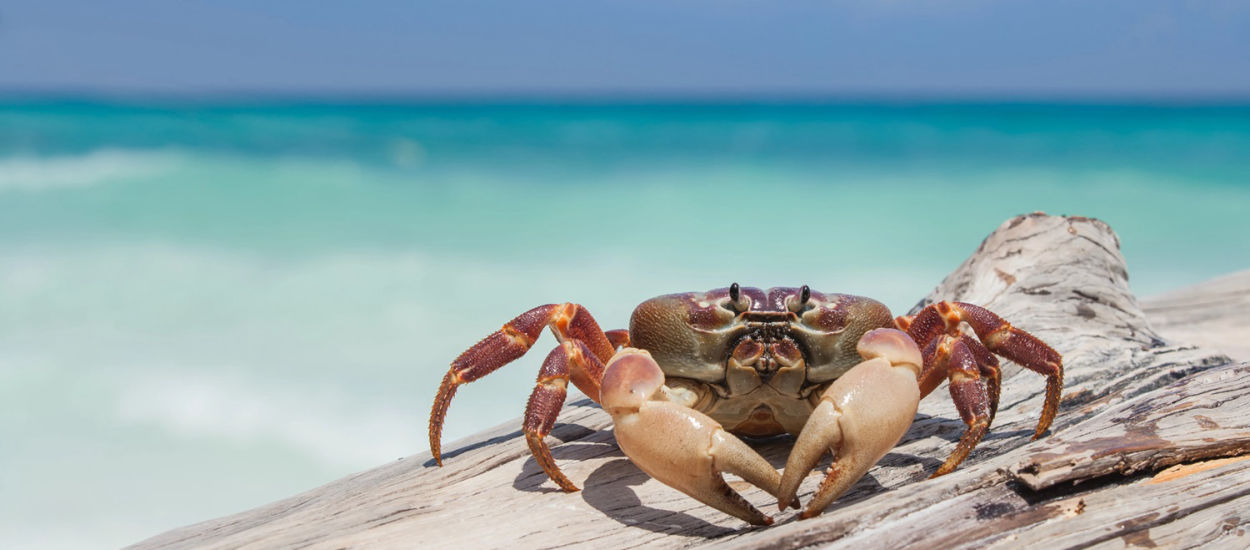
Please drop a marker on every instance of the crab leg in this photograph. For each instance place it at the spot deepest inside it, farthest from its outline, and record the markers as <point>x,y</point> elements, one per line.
<point>678,446</point>
<point>548,398</point>
<point>955,358</point>
<point>619,337</point>
<point>861,416</point>
<point>987,364</point>
<point>999,337</point>
<point>935,371</point>
<point>567,322</point>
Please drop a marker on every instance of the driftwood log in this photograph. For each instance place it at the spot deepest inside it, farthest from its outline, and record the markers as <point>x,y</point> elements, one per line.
<point>1146,450</point>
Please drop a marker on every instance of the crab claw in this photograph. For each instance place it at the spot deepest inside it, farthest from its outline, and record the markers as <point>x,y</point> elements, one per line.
<point>678,446</point>
<point>861,416</point>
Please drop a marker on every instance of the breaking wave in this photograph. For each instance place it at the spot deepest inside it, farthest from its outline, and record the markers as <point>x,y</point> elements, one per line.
<point>32,173</point>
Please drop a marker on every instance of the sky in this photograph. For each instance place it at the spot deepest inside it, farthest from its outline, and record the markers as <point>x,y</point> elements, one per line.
<point>631,47</point>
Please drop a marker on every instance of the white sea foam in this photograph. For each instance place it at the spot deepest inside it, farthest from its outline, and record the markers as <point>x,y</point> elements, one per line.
<point>30,173</point>
<point>324,425</point>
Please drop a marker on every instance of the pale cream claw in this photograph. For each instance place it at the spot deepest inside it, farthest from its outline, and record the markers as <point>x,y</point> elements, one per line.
<point>678,446</point>
<point>861,416</point>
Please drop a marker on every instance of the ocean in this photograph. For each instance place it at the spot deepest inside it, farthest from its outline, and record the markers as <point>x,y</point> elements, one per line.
<point>206,306</point>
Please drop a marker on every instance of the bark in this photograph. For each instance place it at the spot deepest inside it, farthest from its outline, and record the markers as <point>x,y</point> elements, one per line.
<point>1138,398</point>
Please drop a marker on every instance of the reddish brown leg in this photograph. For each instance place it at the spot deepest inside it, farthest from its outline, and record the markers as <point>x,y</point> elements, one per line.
<point>953,355</point>
<point>548,398</point>
<point>933,372</point>
<point>618,337</point>
<point>567,321</point>
<point>944,318</point>
<point>990,371</point>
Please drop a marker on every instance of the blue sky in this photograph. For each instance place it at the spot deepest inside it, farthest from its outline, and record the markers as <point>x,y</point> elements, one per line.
<point>699,47</point>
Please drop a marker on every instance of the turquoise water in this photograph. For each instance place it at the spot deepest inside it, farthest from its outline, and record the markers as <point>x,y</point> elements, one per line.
<point>207,307</point>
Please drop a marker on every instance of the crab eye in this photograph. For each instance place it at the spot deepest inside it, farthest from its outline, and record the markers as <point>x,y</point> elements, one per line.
<point>800,302</point>
<point>735,303</point>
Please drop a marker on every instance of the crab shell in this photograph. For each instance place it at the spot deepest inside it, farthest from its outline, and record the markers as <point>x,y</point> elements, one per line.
<point>756,365</point>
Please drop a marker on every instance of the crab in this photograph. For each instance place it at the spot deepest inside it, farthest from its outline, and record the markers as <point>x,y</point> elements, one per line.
<point>697,370</point>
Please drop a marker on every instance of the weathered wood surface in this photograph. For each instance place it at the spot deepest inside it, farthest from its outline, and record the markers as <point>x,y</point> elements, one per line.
<point>1202,416</point>
<point>1213,314</point>
<point>1062,279</point>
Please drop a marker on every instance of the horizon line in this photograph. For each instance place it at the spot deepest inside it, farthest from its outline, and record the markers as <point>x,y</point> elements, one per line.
<point>617,97</point>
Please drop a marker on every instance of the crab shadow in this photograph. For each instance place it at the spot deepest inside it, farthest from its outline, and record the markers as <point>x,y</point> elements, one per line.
<point>577,443</point>
<point>457,451</point>
<point>952,429</point>
<point>611,487</point>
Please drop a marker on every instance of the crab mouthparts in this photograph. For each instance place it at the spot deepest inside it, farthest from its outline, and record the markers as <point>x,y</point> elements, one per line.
<point>767,350</point>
